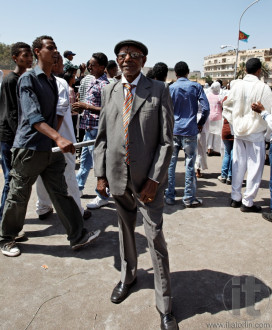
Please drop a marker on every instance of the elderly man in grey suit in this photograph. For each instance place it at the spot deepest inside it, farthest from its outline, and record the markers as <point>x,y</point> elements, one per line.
<point>132,153</point>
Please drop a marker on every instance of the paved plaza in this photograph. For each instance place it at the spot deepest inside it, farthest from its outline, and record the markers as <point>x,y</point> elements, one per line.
<point>220,260</point>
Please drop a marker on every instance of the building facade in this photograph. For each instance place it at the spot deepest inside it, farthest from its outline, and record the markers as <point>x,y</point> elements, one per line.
<point>222,65</point>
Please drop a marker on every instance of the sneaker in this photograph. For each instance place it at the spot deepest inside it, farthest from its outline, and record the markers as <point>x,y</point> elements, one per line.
<point>46,215</point>
<point>197,202</point>
<point>86,239</point>
<point>87,214</point>
<point>253,208</point>
<point>97,203</point>
<point>223,180</point>
<point>267,216</point>
<point>10,249</point>
<point>228,182</point>
<point>170,201</point>
<point>235,204</point>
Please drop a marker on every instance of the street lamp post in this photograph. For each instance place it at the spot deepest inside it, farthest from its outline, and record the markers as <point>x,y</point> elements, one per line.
<point>237,48</point>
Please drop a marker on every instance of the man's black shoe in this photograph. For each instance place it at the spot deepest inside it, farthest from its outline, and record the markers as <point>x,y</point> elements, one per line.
<point>45,215</point>
<point>121,291</point>
<point>87,214</point>
<point>168,322</point>
<point>253,208</point>
<point>235,204</point>
<point>267,216</point>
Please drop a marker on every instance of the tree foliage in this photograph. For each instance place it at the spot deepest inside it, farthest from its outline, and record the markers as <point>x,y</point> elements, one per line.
<point>242,70</point>
<point>208,79</point>
<point>6,61</point>
<point>265,70</point>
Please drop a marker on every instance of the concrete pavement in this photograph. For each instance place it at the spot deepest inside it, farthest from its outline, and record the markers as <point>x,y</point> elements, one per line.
<point>220,261</point>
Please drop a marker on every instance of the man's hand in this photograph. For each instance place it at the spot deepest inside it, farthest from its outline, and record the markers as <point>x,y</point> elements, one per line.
<point>149,191</point>
<point>79,107</point>
<point>82,68</point>
<point>102,184</point>
<point>257,107</point>
<point>199,128</point>
<point>65,145</point>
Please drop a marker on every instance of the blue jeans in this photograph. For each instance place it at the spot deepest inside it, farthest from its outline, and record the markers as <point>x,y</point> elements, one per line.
<point>189,145</point>
<point>86,159</point>
<point>226,170</point>
<point>6,166</point>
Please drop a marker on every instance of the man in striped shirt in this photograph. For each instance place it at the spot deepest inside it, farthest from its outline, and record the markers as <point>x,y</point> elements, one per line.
<point>89,121</point>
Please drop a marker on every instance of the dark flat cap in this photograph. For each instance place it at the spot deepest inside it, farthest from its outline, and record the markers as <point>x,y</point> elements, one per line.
<point>134,43</point>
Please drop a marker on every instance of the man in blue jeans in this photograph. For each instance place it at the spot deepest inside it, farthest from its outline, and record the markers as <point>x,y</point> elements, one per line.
<point>185,96</point>
<point>89,121</point>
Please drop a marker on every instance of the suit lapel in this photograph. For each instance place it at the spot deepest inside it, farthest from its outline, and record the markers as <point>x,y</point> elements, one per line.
<point>119,96</point>
<point>142,93</point>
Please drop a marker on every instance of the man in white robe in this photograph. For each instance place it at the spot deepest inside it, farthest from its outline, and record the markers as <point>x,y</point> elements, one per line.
<point>249,129</point>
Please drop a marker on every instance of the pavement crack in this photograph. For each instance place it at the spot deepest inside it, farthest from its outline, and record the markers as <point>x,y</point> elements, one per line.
<point>71,276</point>
<point>60,295</point>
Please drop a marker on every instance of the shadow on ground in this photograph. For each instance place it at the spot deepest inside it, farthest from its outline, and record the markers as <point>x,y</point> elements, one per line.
<point>107,245</point>
<point>207,291</point>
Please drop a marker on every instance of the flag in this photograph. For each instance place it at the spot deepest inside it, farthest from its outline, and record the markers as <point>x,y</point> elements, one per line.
<point>243,36</point>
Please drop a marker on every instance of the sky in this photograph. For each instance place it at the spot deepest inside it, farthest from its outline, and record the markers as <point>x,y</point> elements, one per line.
<point>173,30</point>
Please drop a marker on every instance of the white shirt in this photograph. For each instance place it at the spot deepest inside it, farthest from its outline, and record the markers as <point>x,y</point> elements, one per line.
<point>247,124</point>
<point>63,109</point>
<point>135,83</point>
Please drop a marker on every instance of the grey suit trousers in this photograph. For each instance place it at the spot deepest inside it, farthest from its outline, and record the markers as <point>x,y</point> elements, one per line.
<point>152,218</point>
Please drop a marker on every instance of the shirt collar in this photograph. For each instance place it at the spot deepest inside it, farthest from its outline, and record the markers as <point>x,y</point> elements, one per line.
<point>39,71</point>
<point>250,77</point>
<point>102,78</point>
<point>183,78</point>
<point>135,81</point>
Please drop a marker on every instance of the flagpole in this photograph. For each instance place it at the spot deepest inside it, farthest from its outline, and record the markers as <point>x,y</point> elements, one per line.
<point>237,48</point>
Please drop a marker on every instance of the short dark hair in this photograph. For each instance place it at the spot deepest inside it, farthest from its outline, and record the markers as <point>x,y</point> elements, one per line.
<point>16,48</point>
<point>160,71</point>
<point>37,43</point>
<point>68,76</point>
<point>150,74</point>
<point>101,59</point>
<point>181,69</point>
<point>220,82</point>
<point>111,64</point>
<point>253,65</point>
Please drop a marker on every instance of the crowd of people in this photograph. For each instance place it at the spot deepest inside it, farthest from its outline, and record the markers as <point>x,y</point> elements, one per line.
<point>133,127</point>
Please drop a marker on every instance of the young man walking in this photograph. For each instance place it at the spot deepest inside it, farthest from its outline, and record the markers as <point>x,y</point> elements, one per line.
<point>32,156</point>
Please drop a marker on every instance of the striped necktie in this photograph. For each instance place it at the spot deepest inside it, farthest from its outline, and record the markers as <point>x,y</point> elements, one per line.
<point>126,115</point>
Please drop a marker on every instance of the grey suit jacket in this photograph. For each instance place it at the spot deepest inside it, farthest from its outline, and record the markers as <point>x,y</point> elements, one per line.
<point>150,136</point>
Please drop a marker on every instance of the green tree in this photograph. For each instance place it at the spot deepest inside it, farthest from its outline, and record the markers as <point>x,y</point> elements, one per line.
<point>241,72</point>
<point>208,79</point>
<point>265,70</point>
<point>6,61</point>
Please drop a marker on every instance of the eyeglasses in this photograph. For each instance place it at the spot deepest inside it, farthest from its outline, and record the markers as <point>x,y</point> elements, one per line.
<point>133,55</point>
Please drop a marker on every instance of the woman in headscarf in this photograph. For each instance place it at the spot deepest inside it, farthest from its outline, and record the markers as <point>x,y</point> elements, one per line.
<point>215,119</point>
